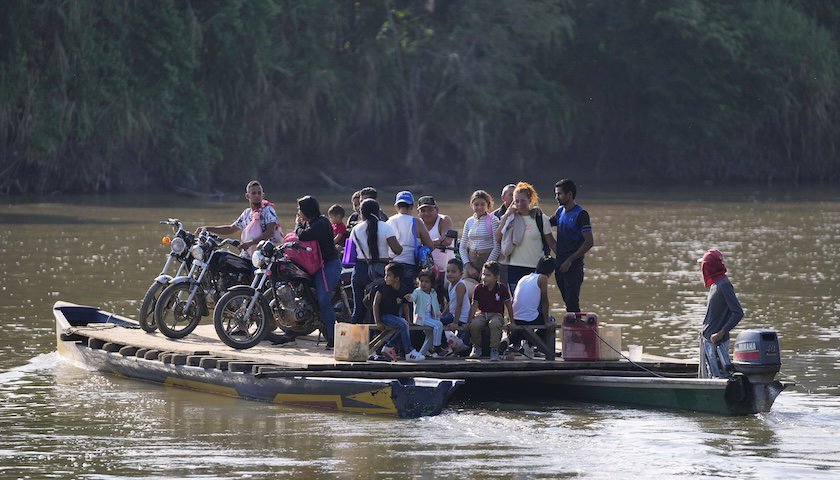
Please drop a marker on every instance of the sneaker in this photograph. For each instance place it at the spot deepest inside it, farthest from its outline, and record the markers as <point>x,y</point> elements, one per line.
<point>494,354</point>
<point>440,352</point>
<point>527,350</point>
<point>476,352</point>
<point>389,353</point>
<point>415,356</point>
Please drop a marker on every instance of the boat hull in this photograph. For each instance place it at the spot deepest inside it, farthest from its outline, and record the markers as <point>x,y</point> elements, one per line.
<point>407,398</point>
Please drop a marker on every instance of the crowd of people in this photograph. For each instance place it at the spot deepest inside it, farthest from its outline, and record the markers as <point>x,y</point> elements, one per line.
<point>497,276</point>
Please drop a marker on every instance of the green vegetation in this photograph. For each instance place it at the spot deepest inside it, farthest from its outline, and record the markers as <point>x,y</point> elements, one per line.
<point>124,95</point>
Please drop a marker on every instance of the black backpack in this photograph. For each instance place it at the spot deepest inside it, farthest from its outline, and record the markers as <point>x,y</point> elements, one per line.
<point>370,292</point>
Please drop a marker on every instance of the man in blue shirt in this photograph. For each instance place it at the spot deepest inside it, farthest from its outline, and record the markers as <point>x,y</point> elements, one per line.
<point>574,239</point>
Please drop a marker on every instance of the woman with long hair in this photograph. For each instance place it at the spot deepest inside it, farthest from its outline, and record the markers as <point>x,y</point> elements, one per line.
<point>372,238</point>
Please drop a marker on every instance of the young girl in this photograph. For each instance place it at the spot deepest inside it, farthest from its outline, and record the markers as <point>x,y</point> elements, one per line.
<point>459,303</point>
<point>479,243</point>
<point>490,300</point>
<point>427,312</point>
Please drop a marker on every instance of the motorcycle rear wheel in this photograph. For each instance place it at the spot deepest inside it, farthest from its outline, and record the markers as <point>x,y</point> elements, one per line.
<point>146,315</point>
<point>173,316</point>
<point>231,325</point>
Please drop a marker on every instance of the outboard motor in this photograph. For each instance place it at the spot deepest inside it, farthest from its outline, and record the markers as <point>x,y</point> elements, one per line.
<point>757,355</point>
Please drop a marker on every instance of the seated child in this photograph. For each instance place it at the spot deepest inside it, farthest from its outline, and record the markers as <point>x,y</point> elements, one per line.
<point>386,310</point>
<point>530,300</point>
<point>336,214</point>
<point>458,304</point>
<point>490,299</point>
<point>427,312</point>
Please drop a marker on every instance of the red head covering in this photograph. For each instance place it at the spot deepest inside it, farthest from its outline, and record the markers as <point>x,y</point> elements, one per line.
<point>713,267</point>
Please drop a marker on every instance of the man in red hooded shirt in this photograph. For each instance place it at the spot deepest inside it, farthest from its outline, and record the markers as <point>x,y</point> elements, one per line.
<point>722,315</point>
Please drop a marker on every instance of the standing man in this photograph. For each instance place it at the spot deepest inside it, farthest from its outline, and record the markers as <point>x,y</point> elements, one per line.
<point>507,199</point>
<point>258,222</point>
<point>574,239</point>
<point>411,232</point>
<point>364,194</point>
<point>722,315</point>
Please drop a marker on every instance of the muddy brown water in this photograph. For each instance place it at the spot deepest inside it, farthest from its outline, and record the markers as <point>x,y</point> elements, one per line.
<point>783,255</point>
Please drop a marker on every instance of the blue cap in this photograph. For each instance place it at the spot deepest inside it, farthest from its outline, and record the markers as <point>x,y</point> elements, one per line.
<point>404,197</point>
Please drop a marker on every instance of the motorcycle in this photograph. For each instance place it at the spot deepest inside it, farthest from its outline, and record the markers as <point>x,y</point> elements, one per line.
<point>179,245</point>
<point>188,298</point>
<point>281,295</point>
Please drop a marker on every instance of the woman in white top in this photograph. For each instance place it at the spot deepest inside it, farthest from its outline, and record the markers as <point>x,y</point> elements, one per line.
<point>478,242</point>
<point>410,232</point>
<point>372,238</point>
<point>522,246</point>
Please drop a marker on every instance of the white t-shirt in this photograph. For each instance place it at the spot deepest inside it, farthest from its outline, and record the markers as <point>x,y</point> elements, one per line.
<point>526,298</point>
<point>359,235</point>
<point>403,224</point>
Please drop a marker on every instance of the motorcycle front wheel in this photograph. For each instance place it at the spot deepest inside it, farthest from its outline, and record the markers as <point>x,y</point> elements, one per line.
<point>231,324</point>
<point>146,315</point>
<point>173,315</point>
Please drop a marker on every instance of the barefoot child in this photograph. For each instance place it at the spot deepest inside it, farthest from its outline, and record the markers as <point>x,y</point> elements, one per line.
<point>386,313</point>
<point>490,300</point>
<point>427,312</point>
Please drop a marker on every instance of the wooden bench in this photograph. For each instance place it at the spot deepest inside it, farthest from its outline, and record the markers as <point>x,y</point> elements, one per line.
<point>541,336</point>
<point>379,340</point>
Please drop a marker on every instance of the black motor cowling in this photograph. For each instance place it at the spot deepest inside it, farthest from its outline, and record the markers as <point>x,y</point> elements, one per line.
<point>757,354</point>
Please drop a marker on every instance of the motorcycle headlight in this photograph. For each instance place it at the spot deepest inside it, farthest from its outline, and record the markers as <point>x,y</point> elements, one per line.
<point>258,259</point>
<point>197,252</point>
<point>178,245</point>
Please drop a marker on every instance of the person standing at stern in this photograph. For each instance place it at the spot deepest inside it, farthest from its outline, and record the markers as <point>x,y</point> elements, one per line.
<point>722,315</point>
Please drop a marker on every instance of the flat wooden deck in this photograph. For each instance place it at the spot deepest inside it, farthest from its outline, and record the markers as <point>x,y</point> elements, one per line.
<point>307,356</point>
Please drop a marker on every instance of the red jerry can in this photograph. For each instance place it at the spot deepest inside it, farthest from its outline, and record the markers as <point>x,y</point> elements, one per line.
<point>580,336</point>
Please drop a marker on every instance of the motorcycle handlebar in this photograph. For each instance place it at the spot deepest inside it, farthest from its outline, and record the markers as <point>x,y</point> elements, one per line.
<point>174,222</point>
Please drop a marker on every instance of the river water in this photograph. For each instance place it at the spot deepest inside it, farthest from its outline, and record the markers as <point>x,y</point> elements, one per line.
<point>783,255</point>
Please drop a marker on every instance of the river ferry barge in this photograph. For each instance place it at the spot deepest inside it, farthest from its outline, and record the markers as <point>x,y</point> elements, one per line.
<point>308,376</point>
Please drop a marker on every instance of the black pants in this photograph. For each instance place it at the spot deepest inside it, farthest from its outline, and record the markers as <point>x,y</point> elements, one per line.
<point>569,283</point>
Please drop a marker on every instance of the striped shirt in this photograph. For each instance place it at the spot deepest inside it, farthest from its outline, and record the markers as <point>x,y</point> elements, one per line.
<point>477,237</point>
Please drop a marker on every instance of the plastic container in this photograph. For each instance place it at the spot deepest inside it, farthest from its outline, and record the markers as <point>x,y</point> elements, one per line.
<point>635,353</point>
<point>351,342</point>
<point>610,337</point>
<point>580,342</point>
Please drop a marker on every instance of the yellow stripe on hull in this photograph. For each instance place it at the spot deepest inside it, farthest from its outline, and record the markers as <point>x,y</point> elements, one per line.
<point>201,386</point>
<point>382,405</point>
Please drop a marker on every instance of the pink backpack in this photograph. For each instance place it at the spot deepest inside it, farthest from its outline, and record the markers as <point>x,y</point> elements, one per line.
<point>309,260</point>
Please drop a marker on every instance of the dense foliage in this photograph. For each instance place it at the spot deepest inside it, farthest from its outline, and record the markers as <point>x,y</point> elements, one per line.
<point>127,95</point>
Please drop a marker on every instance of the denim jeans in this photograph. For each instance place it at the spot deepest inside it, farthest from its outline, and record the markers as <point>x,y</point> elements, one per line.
<point>331,271</point>
<point>401,325</point>
<point>359,280</point>
<point>515,273</point>
<point>711,365</point>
